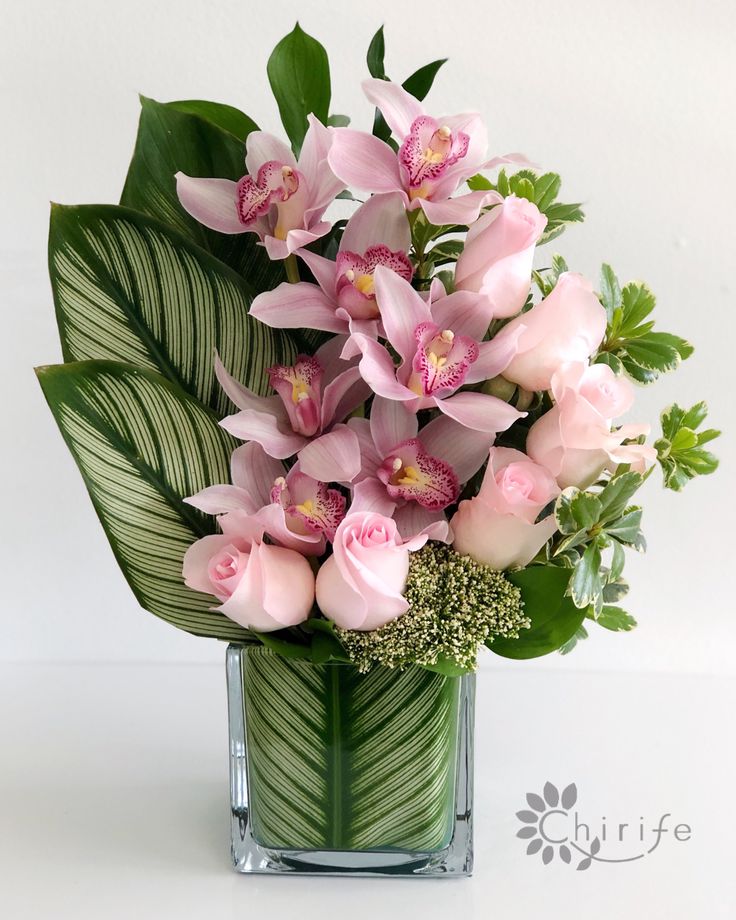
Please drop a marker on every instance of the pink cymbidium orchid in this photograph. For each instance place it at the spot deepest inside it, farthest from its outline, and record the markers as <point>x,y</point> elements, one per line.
<point>281,199</point>
<point>313,397</point>
<point>410,474</point>
<point>343,300</point>
<point>435,157</point>
<point>294,509</point>
<point>441,348</point>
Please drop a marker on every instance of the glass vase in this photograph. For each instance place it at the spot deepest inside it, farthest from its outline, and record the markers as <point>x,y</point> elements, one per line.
<point>342,773</point>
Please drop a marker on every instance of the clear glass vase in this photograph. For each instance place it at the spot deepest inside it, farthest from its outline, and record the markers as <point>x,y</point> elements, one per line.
<point>342,773</point>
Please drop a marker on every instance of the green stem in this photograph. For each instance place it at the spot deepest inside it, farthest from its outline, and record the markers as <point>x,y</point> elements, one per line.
<point>292,269</point>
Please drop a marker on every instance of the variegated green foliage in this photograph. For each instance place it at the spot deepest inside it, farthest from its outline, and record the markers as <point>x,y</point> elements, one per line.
<point>129,289</point>
<point>142,444</point>
<point>343,760</point>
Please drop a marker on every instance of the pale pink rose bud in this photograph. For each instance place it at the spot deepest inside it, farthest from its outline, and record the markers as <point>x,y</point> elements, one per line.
<point>260,586</point>
<point>360,586</point>
<point>497,527</point>
<point>498,254</point>
<point>574,439</point>
<point>568,325</point>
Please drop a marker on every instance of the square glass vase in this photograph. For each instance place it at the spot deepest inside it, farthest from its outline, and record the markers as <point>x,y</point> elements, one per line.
<point>341,773</point>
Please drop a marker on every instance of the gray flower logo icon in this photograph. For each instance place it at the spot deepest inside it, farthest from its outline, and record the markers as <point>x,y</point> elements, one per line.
<point>541,808</point>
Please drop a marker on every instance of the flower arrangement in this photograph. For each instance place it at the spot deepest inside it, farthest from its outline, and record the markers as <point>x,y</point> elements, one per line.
<point>387,439</point>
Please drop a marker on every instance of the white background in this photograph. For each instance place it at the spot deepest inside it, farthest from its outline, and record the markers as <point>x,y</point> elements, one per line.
<point>112,779</point>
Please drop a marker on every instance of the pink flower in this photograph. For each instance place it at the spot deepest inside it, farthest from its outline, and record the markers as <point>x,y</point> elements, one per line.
<point>343,300</point>
<point>360,585</point>
<point>313,397</point>
<point>294,509</point>
<point>260,586</point>
<point>497,527</point>
<point>435,157</point>
<point>439,343</point>
<point>568,325</point>
<point>498,255</point>
<point>280,199</point>
<point>413,475</point>
<point>575,440</point>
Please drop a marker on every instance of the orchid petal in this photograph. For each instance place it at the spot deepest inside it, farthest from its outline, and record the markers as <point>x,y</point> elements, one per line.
<point>297,306</point>
<point>263,427</point>
<point>398,107</point>
<point>324,271</point>
<point>221,499</point>
<point>344,394</point>
<point>461,210</point>
<point>213,202</point>
<point>391,423</point>
<point>273,519</point>
<point>262,147</point>
<point>495,356</point>
<point>244,398</point>
<point>402,310</point>
<point>370,459</point>
<point>378,371</point>
<point>415,522</point>
<point>254,471</point>
<point>364,161</point>
<point>382,219</point>
<point>480,412</point>
<point>371,495</point>
<point>295,240</point>
<point>465,312</point>
<point>333,457</point>
<point>465,449</point>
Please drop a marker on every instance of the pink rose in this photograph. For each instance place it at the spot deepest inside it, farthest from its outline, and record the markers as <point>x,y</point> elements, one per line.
<point>568,325</point>
<point>574,439</point>
<point>497,527</point>
<point>360,585</point>
<point>262,587</point>
<point>498,254</point>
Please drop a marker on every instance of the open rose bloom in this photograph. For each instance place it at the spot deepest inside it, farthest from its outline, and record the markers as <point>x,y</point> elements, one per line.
<point>460,393</point>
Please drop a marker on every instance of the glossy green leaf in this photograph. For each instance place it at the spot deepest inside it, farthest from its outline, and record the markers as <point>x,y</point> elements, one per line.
<point>141,445</point>
<point>170,140</point>
<point>610,291</point>
<point>420,82</point>
<point>299,74</point>
<point>615,619</point>
<point>130,289</point>
<point>554,617</point>
<point>375,56</point>
<point>587,580</point>
<point>224,116</point>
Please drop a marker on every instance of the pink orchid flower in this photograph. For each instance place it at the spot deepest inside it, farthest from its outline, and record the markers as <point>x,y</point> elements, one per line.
<point>343,300</point>
<point>435,157</point>
<point>294,509</point>
<point>413,475</point>
<point>441,348</point>
<point>281,199</point>
<point>312,398</point>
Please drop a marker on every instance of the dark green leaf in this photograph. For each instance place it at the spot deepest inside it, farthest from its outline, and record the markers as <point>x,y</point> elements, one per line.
<point>283,646</point>
<point>226,117</point>
<point>616,495</point>
<point>546,189</point>
<point>627,529</point>
<point>554,617</point>
<point>614,362</point>
<point>299,74</point>
<point>375,56</point>
<point>638,302</point>
<point>420,82</point>
<point>580,634</point>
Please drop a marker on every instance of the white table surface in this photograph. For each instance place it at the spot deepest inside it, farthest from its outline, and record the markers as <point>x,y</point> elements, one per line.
<point>114,800</point>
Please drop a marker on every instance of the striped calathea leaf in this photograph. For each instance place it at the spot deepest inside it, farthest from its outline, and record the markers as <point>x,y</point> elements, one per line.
<point>142,444</point>
<point>343,760</point>
<point>128,288</point>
